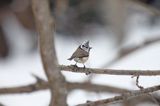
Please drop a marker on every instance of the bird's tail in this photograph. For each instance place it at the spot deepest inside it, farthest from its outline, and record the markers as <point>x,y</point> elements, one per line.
<point>69,59</point>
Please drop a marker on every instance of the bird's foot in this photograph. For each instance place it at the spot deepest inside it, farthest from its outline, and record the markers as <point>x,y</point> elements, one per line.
<point>87,73</point>
<point>84,67</point>
<point>75,67</point>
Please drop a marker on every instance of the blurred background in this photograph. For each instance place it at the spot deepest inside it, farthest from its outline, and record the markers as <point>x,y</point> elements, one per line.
<point>124,34</point>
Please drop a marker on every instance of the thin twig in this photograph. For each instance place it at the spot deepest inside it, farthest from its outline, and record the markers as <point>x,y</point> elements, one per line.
<point>125,96</point>
<point>71,68</point>
<point>137,83</point>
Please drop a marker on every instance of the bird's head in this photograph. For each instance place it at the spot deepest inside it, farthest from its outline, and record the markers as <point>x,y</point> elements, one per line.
<point>85,46</point>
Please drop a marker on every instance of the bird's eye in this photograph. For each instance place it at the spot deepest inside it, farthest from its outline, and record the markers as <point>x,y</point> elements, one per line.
<point>83,46</point>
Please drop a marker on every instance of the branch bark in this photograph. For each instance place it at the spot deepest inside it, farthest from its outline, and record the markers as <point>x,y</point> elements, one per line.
<point>25,89</point>
<point>124,96</point>
<point>45,27</point>
<point>72,68</point>
<point>43,85</point>
<point>95,88</point>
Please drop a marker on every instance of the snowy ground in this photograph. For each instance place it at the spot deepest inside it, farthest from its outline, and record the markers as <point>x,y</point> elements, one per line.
<point>18,68</point>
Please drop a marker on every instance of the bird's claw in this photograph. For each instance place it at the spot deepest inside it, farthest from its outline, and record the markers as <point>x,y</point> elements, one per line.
<point>87,73</point>
<point>75,67</point>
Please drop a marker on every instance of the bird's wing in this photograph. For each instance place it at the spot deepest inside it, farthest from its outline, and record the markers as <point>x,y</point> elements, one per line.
<point>79,53</point>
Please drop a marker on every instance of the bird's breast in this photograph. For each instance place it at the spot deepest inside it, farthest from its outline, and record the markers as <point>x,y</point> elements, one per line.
<point>81,60</point>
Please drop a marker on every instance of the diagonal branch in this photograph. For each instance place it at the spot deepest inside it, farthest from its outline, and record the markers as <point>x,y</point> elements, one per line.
<point>124,96</point>
<point>122,53</point>
<point>95,87</point>
<point>46,26</point>
<point>72,68</point>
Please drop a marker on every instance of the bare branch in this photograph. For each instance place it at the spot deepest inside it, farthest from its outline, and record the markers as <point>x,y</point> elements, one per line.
<point>25,89</point>
<point>96,88</point>
<point>71,86</point>
<point>122,53</point>
<point>137,83</point>
<point>38,79</point>
<point>43,85</point>
<point>45,27</point>
<point>109,71</point>
<point>125,96</point>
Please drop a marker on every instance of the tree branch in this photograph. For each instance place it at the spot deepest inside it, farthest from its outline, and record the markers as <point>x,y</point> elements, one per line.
<point>109,71</point>
<point>137,83</point>
<point>70,86</point>
<point>124,96</point>
<point>122,53</point>
<point>45,27</point>
<point>95,87</point>
<point>43,85</point>
<point>25,89</point>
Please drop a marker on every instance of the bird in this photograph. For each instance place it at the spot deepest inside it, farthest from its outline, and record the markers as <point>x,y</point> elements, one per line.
<point>81,54</point>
